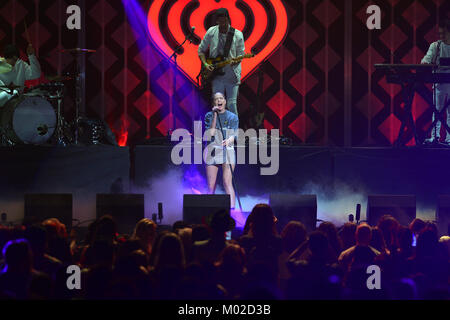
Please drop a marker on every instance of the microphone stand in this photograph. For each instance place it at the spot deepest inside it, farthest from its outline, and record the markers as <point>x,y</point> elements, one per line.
<point>229,163</point>
<point>174,83</point>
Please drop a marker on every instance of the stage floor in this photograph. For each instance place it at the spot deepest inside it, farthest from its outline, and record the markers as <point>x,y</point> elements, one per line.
<point>340,177</point>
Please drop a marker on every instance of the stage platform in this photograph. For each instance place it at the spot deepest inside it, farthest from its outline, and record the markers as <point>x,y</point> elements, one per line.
<point>341,177</point>
<point>82,171</point>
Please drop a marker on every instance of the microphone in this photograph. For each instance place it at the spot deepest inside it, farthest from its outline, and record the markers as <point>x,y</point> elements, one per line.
<point>189,36</point>
<point>358,212</point>
<point>160,211</point>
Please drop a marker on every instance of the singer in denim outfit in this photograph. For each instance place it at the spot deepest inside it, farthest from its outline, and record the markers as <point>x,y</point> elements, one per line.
<point>220,149</point>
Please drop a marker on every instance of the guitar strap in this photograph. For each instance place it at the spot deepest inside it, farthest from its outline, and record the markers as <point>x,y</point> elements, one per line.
<point>227,47</point>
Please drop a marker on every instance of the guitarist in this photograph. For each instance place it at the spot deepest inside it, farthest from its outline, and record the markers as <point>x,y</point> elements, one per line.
<point>223,40</point>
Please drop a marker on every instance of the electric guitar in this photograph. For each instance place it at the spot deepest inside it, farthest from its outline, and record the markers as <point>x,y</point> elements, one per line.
<point>218,64</point>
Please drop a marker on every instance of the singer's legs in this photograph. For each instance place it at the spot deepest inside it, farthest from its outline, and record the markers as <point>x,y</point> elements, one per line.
<point>211,176</point>
<point>232,90</point>
<point>228,182</point>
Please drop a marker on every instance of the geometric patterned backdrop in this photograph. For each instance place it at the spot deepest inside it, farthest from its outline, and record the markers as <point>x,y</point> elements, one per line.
<point>320,87</point>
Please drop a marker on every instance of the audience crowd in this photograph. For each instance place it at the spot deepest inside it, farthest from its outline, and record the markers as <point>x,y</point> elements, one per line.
<point>196,262</point>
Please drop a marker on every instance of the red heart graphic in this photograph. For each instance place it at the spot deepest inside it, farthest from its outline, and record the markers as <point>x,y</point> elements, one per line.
<point>188,62</point>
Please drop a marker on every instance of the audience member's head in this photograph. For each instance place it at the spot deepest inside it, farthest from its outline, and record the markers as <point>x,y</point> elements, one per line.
<point>445,241</point>
<point>431,226</point>
<point>145,231</point>
<point>389,226</point>
<point>427,244</point>
<point>329,229</point>
<point>18,256</point>
<point>185,235</point>
<point>221,222</point>
<point>363,234</point>
<point>169,252</point>
<point>377,240</point>
<point>200,233</point>
<point>416,226</point>
<point>231,259</point>
<point>348,235</point>
<point>55,228</point>
<point>263,221</point>
<point>293,235</point>
<point>318,245</point>
<point>106,229</point>
<point>178,225</point>
<point>404,239</point>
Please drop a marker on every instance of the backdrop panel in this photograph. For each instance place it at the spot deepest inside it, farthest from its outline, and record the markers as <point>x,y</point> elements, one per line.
<point>319,86</point>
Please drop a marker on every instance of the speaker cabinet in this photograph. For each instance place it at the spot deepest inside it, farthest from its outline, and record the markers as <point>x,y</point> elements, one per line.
<point>443,215</point>
<point>401,207</point>
<point>197,207</point>
<point>294,207</point>
<point>126,209</point>
<point>42,206</point>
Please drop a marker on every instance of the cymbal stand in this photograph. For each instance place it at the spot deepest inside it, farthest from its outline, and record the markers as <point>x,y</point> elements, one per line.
<point>60,141</point>
<point>77,98</point>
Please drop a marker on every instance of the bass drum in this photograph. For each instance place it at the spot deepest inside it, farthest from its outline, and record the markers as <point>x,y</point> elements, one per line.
<point>28,120</point>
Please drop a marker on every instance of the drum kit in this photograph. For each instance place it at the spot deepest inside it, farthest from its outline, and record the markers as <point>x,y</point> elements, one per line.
<point>34,116</point>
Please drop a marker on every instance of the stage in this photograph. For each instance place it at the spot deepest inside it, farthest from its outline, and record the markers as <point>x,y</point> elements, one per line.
<point>340,177</point>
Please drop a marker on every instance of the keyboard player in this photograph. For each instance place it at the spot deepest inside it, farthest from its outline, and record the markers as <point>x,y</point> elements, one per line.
<point>440,49</point>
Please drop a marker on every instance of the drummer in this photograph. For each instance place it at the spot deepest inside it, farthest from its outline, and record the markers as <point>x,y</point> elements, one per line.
<point>21,71</point>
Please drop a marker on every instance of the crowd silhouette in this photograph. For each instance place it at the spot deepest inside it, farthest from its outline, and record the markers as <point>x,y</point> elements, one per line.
<point>196,262</point>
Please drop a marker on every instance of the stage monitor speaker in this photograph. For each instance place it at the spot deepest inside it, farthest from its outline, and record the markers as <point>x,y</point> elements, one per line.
<point>294,207</point>
<point>401,207</point>
<point>197,207</point>
<point>443,215</point>
<point>127,209</point>
<point>42,206</point>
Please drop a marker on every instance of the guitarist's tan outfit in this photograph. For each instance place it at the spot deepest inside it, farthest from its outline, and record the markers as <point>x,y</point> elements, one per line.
<point>230,81</point>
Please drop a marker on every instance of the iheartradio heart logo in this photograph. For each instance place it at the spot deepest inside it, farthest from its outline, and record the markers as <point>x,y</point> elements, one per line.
<point>264,25</point>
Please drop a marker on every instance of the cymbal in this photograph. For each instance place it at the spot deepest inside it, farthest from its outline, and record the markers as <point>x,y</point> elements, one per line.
<point>78,50</point>
<point>5,67</point>
<point>57,78</point>
<point>11,87</point>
